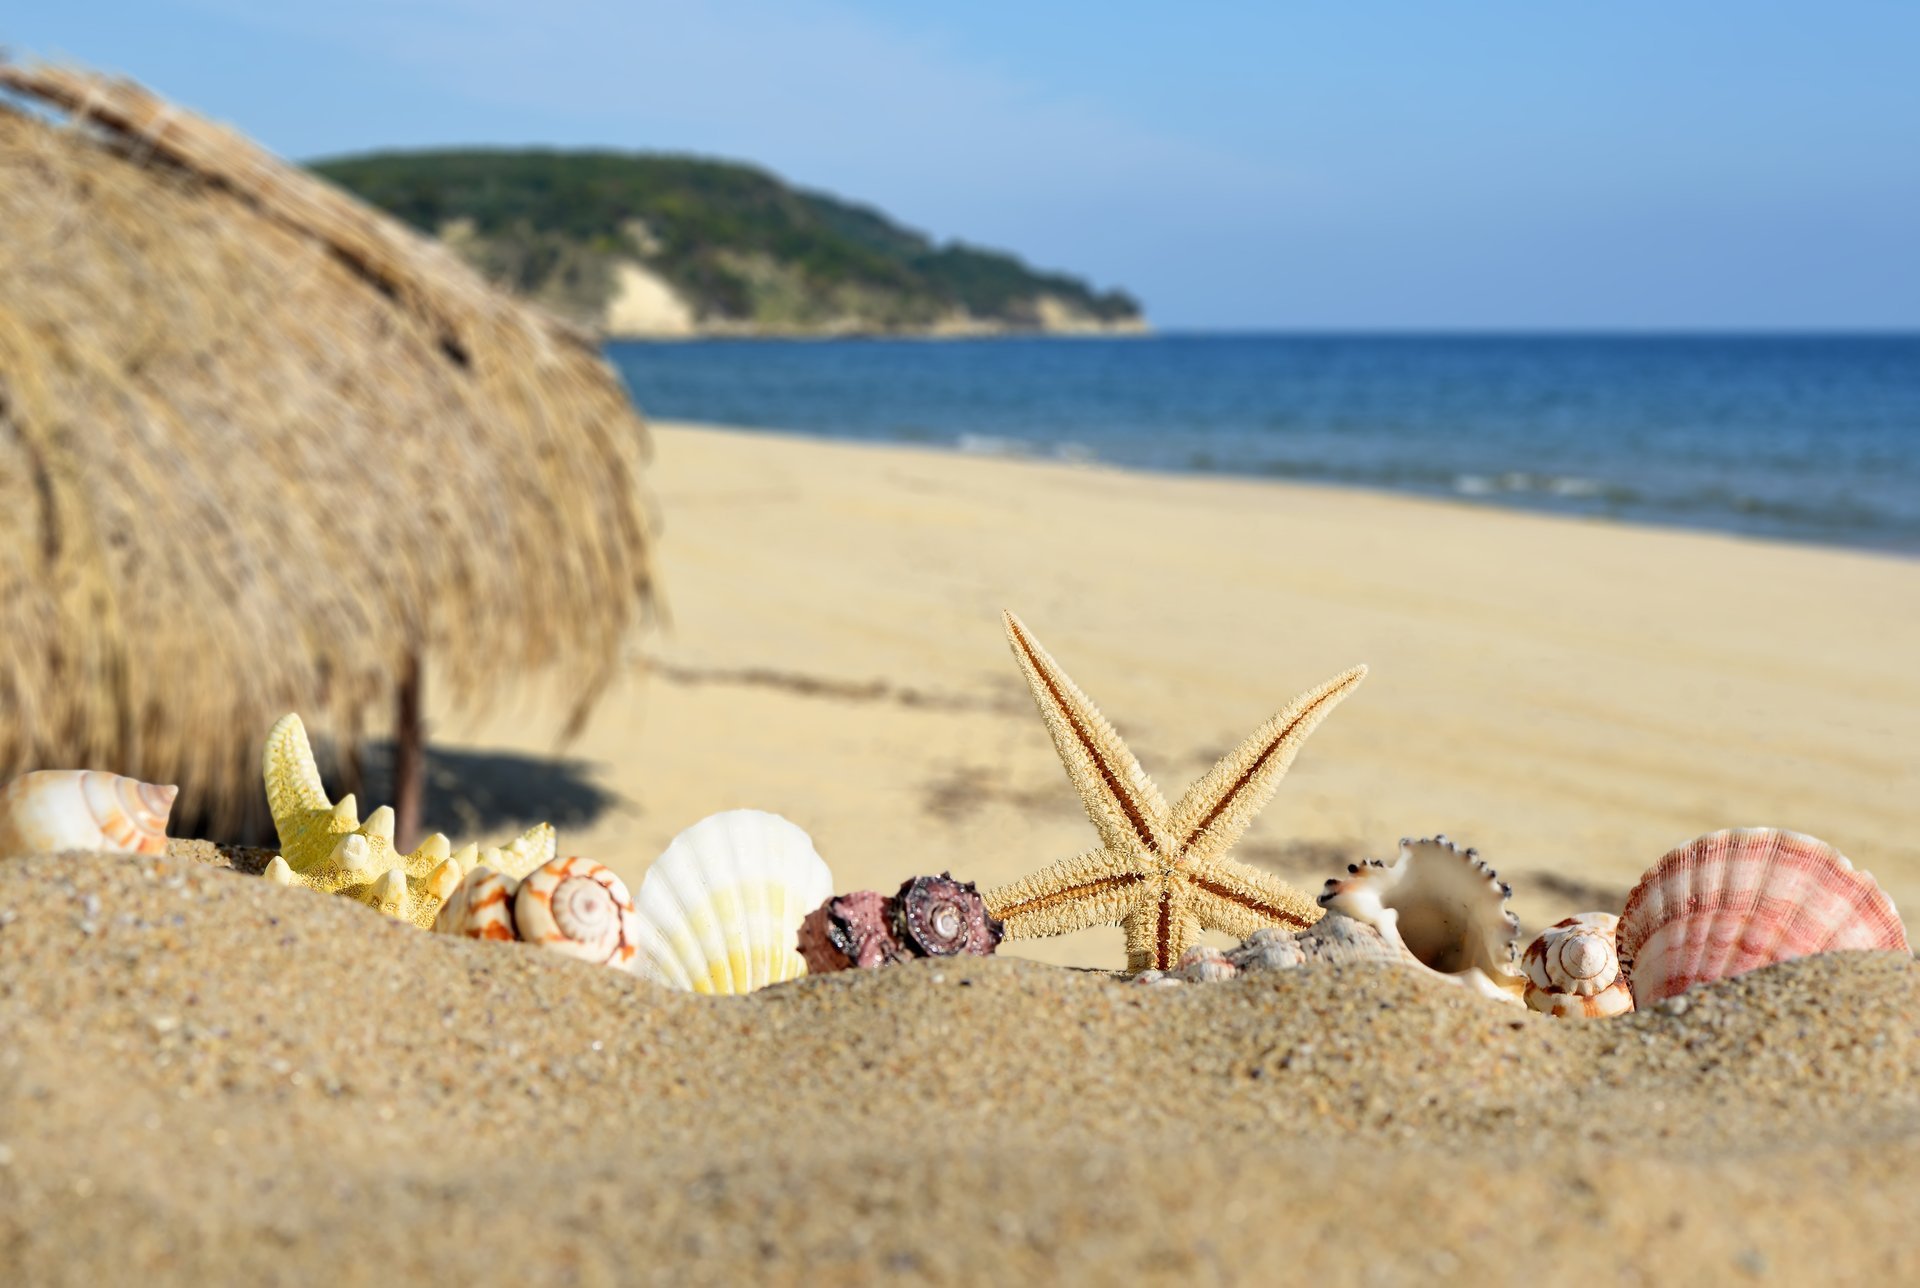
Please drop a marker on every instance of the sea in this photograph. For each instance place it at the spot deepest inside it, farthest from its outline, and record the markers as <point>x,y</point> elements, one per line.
<point>1800,438</point>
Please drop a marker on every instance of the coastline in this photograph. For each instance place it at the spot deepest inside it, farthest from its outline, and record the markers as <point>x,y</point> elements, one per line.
<point>1573,697</point>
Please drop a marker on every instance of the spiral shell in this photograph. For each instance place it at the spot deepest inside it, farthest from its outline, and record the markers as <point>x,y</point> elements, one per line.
<point>480,907</point>
<point>83,809</point>
<point>1443,906</point>
<point>1733,901</point>
<point>1573,969</point>
<point>941,917</point>
<point>577,907</point>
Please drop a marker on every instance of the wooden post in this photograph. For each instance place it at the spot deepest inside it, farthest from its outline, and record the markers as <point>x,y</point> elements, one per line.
<point>409,758</point>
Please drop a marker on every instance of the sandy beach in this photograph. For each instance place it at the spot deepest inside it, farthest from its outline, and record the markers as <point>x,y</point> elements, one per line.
<point>209,1078</point>
<point>1574,698</point>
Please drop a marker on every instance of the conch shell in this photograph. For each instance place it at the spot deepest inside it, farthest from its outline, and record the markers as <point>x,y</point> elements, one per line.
<point>83,809</point>
<point>1734,901</point>
<point>1443,906</point>
<point>1573,969</point>
<point>480,907</point>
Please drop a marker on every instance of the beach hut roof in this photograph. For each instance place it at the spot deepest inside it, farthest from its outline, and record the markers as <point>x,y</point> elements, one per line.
<point>261,447</point>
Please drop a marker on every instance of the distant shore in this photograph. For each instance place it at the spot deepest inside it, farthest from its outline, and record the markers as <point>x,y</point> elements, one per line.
<point>1572,697</point>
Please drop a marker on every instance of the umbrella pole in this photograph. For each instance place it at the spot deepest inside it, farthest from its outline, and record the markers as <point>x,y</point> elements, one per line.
<point>409,758</point>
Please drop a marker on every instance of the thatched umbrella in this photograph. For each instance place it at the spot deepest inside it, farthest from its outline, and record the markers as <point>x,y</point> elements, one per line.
<point>264,449</point>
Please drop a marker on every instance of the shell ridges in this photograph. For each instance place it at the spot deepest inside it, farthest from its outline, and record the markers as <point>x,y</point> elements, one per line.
<point>720,909</point>
<point>1735,900</point>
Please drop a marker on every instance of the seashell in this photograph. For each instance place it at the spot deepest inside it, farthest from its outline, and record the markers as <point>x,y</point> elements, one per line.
<point>1573,969</point>
<point>941,917</point>
<point>1733,901</point>
<point>577,907</point>
<point>1203,964</point>
<point>1335,939</point>
<point>480,907</point>
<point>850,931</point>
<point>1443,906</point>
<point>720,909</point>
<point>83,809</point>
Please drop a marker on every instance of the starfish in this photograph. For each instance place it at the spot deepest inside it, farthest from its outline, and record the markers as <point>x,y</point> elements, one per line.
<point>325,846</point>
<point>1161,874</point>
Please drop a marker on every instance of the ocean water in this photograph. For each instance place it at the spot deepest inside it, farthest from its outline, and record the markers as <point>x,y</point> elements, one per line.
<point>1806,438</point>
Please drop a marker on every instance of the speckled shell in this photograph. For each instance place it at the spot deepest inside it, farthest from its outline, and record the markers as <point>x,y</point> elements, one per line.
<point>480,907</point>
<point>850,931</point>
<point>1734,901</point>
<point>1445,907</point>
<point>1573,969</point>
<point>720,909</point>
<point>941,917</point>
<point>577,907</point>
<point>82,809</point>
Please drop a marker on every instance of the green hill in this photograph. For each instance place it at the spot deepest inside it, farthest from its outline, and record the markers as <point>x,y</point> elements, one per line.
<point>635,243</point>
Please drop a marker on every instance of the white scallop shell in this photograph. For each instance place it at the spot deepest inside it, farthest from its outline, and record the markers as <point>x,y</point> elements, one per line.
<point>1573,969</point>
<point>577,907</point>
<point>480,907</point>
<point>82,809</point>
<point>1736,900</point>
<point>1443,906</point>
<point>720,909</point>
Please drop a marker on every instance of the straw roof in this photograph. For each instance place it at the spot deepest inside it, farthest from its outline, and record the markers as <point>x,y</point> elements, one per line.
<point>260,445</point>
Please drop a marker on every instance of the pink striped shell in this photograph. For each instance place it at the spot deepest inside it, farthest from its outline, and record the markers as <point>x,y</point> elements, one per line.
<point>577,907</point>
<point>1734,901</point>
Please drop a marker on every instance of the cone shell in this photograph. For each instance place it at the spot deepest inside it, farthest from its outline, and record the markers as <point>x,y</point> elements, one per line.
<point>1440,904</point>
<point>1573,969</point>
<point>577,907</point>
<point>1737,900</point>
<point>83,809</point>
<point>480,907</point>
<point>720,909</point>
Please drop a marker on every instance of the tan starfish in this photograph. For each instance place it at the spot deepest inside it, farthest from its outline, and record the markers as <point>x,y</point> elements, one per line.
<point>1162,874</point>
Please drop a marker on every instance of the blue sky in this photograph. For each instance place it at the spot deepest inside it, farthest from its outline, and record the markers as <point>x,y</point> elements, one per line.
<point>1346,164</point>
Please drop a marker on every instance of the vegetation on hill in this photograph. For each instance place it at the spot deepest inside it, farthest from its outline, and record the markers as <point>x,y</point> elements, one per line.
<point>742,249</point>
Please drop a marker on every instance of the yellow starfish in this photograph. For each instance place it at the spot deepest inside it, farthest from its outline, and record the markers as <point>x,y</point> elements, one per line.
<point>325,846</point>
<point>1162,874</point>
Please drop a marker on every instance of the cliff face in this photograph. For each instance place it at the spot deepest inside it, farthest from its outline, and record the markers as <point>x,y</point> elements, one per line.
<point>656,245</point>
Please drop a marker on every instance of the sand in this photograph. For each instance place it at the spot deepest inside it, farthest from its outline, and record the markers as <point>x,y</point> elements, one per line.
<point>1572,697</point>
<point>207,1078</point>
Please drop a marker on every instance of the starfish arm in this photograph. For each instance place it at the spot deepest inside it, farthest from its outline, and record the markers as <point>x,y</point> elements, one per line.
<point>302,814</point>
<point>1239,900</point>
<point>1216,810</point>
<point>1125,806</point>
<point>1159,929</point>
<point>1093,889</point>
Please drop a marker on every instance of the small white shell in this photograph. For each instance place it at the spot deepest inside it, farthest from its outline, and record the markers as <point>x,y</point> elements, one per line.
<point>480,907</point>
<point>1443,906</point>
<point>82,809</point>
<point>1736,900</point>
<point>1573,969</point>
<point>577,907</point>
<point>720,909</point>
<point>1203,964</point>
